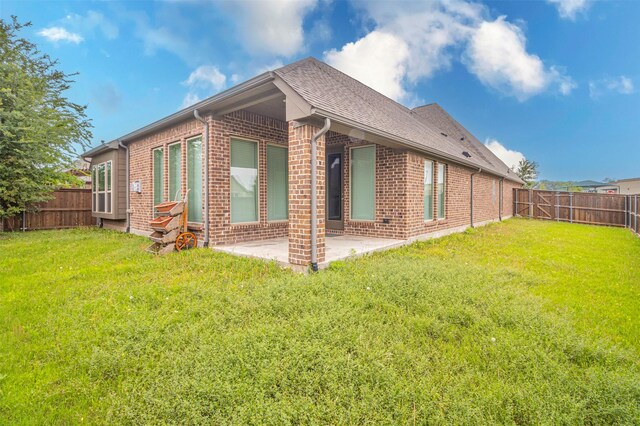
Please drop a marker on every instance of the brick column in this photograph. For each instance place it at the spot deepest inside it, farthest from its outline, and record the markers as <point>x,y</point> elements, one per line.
<point>300,193</point>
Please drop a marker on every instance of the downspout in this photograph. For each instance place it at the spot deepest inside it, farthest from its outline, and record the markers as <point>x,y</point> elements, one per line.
<point>314,194</point>
<point>471,201</point>
<point>126,166</point>
<point>197,116</point>
<point>501,199</point>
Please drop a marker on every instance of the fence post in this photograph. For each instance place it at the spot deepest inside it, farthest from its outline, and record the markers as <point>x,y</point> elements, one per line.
<point>625,211</point>
<point>636,216</point>
<point>530,204</point>
<point>570,207</point>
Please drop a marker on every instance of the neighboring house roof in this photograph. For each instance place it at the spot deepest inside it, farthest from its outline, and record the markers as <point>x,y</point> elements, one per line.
<point>333,94</point>
<point>105,146</point>
<point>627,180</point>
<point>592,184</point>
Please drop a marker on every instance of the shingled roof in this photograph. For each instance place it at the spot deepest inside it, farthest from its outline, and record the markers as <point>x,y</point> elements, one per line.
<point>329,90</point>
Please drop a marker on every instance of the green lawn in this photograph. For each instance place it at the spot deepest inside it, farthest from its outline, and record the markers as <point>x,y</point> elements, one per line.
<point>523,322</point>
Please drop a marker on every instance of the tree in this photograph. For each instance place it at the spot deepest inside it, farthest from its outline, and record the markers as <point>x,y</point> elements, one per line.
<point>41,131</point>
<point>527,171</point>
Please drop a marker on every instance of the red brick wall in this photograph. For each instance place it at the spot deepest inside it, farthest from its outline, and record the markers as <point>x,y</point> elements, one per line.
<point>507,199</point>
<point>243,125</point>
<point>390,190</point>
<point>239,124</point>
<point>141,167</point>
<point>399,183</point>
<point>300,194</point>
<point>400,192</point>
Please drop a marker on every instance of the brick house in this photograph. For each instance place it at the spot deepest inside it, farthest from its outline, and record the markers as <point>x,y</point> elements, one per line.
<point>253,156</point>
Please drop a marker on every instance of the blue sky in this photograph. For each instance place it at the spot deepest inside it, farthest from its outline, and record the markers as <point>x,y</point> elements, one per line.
<point>554,80</point>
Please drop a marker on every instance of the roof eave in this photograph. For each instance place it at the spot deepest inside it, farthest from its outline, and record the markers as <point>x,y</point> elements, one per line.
<point>103,147</point>
<point>202,106</point>
<point>411,144</point>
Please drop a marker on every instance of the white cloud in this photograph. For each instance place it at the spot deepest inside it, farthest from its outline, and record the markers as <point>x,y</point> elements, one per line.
<point>206,77</point>
<point>622,85</point>
<point>56,34</point>
<point>497,55</point>
<point>509,157</point>
<point>91,22</point>
<point>378,60</point>
<point>190,99</point>
<point>569,9</point>
<point>271,27</point>
<point>436,33</point>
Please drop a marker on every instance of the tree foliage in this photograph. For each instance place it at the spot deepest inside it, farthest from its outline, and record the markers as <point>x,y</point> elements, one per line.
<point>41,131</point>
<point>527,171</point>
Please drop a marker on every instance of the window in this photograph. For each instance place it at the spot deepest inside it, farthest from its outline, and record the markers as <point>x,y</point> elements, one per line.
<point>363,171</point>
<point>93,188</point>
<point>244,181</point>
<point>175,172</point>
<point>101,187</point>
<point>277,183</point>
<point>428,190</point>
<point>158,175</point>
<point>441,190</point>
<point>194,179</point>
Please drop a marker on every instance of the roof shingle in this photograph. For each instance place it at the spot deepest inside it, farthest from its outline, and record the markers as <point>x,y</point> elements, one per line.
<point>328,89</point>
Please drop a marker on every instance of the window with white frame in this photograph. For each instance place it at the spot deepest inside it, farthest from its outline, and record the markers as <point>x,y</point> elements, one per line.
<point>101,187</point>
<point>428,190</point>
<point>244,181</point>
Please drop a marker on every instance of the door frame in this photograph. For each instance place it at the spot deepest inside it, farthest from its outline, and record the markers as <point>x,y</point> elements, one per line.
<point>337,225</point>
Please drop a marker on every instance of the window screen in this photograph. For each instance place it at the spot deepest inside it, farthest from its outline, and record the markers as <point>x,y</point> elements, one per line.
<point>363,183</point>
<point>244,181</point>
<point>194,179</point>
<point>158,176</point>
<point>441,190</point>
<point>277,183</point>
<point>175,172</point>
<point>428,190</point>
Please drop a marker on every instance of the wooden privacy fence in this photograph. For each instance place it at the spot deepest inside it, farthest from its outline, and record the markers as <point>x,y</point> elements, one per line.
<point>578,207</point>
<point>69,208</point>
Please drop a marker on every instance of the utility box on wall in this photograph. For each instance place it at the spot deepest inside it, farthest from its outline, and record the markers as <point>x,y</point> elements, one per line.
<point>136,186</point>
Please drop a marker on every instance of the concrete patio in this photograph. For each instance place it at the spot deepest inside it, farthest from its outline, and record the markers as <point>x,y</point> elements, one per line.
<point>336,247</point>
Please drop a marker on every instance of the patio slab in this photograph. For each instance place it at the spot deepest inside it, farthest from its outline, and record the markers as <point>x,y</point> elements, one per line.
<point>337,247</point>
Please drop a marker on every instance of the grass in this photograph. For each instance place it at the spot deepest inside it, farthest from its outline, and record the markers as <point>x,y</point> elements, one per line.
<point>522,322</point>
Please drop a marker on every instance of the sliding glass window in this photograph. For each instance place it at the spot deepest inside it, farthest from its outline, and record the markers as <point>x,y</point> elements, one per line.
<point>175,172</point>
<point>441,190</point>
<point>244,181</point>
<point>428,190</point>
<point>277,183</point>
<point>194,179</point>
<point>158,176</point>
<point>101,187</point>
<point>363,172</point>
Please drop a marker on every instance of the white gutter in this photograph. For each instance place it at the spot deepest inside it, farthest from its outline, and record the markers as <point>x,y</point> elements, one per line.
<point>314,194</point>
<point>205,138</point>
